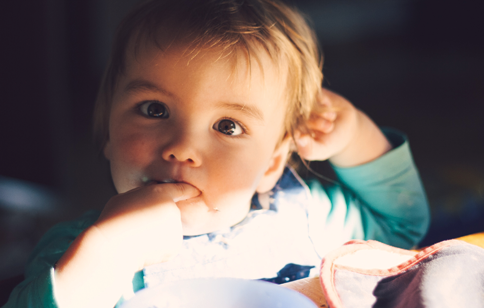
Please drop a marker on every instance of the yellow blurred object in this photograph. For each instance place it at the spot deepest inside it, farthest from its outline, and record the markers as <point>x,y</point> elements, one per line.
<point>311,287</point>
<point>475,239</point>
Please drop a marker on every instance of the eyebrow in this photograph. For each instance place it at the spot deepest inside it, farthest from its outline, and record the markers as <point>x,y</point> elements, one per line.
<point>251,111</point>
<point>141,85</point>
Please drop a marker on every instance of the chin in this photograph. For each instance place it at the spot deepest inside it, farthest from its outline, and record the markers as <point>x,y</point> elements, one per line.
<point>192,228</point>
<point>199,218</point>
<point>196,216</point>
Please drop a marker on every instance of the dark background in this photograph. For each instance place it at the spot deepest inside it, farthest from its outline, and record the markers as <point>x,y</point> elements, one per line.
<point>415,65</point>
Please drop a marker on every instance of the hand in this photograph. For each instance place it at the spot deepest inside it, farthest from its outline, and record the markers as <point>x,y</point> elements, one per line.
<point>146,221</point>
<point>336,130</point>
<point>137,228</point>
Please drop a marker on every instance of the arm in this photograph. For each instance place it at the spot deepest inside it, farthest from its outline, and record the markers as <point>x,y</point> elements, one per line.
<point>397,210</point>
<point>37,288</point>
<point>136,228</point>
<point>382,200</point>
<point>382,197</point>
<point>97,257</point>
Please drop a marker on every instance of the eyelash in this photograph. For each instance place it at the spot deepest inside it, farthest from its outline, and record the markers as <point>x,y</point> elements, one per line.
<point>140,105</point>
<point>242,126</point>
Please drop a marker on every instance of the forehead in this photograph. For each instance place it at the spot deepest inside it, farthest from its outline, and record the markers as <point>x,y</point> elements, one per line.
<point>251,65</point>
<point>239,55</point>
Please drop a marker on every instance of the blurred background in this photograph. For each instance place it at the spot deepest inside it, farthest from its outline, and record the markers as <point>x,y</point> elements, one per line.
<point>415,65</point>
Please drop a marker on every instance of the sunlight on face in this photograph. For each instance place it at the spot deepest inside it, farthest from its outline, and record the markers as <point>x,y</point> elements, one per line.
<point>198,121</point>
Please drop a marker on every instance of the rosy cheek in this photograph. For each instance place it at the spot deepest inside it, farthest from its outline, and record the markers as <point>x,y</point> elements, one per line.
<point>241,173</point>
<point>129,161</point>
<point>133,149</point>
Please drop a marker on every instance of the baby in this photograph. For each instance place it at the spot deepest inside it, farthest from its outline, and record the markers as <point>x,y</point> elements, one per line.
<point>200,108</point>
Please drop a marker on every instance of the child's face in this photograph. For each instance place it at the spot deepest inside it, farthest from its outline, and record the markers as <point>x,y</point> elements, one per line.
<point>200,122</point>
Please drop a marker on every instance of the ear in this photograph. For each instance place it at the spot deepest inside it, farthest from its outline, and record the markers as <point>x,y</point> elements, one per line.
<point>276,166</point>
<point>107,151</point>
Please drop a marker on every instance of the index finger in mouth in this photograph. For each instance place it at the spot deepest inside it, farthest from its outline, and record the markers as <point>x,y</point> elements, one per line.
<point>178,191</point>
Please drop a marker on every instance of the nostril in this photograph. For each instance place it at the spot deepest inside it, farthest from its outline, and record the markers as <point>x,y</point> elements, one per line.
<point>179,154</point>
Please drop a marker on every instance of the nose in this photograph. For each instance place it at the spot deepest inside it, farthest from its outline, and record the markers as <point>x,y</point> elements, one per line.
<point>183,149</point>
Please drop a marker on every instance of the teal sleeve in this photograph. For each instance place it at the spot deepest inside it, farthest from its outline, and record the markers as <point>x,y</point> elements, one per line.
<point>138,284</point>
<point>37,288</point>
<point>383,200</point>
<point>34,292</point>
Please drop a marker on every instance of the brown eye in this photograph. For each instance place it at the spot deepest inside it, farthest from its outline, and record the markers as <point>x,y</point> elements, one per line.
<point>228,127</point>
<point>154,109</point>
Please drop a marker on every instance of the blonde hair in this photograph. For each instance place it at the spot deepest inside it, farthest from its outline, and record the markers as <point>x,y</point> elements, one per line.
<point>233,26</point>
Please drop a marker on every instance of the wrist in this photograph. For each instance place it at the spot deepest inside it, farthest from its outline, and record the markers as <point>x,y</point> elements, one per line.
<point>91,273</point>
<point>367,144</point>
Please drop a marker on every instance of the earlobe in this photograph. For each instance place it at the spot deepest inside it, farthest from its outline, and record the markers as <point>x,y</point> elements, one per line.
<point>276,166</point>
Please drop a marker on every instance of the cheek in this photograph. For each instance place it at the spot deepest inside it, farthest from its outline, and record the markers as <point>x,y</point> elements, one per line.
<point>238,170</point>
<point>130,155</point>
<point>131,147</point>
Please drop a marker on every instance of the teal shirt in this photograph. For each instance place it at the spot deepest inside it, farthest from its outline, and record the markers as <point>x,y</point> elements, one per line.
<point>382,200</point>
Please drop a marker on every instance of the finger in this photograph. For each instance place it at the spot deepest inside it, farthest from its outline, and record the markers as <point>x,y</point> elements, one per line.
<point>181,191</point>
<point>324,98</point>
<point>320,125</point>
<point>303,141</point>
<point>325,106</point>
<point>304,146</point>
<point>329,115</point>
<point>328,127</point>
<point>332,101</point>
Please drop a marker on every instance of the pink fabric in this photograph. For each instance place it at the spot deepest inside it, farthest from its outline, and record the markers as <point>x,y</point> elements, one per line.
<point>356,280</point>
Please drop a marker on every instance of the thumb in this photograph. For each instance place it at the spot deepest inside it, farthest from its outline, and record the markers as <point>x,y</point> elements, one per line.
<point>304,143</point>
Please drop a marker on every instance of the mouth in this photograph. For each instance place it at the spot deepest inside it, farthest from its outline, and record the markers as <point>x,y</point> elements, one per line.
<point>147,181</point>
<point>166,181</point>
